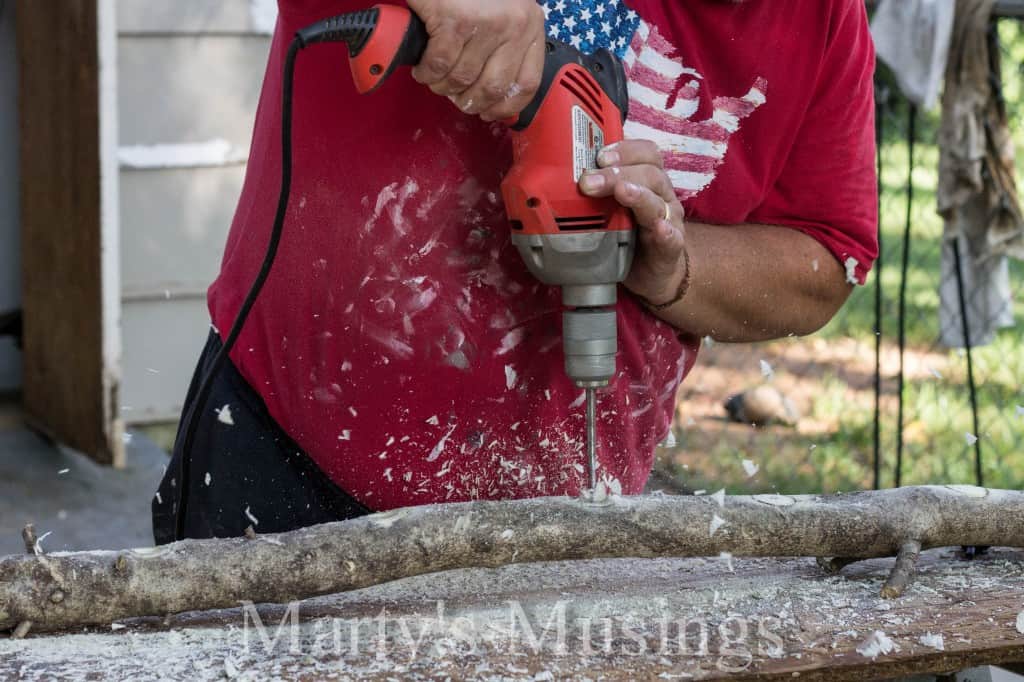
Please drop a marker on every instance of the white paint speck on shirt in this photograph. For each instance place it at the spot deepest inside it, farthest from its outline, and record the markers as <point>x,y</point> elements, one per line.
<point>851,270</point>
<point>511,377</point>
<point>224,416</point>
<point>439,448</point>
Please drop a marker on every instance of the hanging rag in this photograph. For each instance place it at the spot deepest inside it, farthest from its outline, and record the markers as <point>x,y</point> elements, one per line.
<point>977,193</point>
<point>912,38</point>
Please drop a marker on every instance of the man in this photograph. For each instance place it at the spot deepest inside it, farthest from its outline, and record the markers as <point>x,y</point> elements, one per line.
<point>401,353</point>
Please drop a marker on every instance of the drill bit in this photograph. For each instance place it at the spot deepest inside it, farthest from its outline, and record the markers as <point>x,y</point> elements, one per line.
<point>592,435</point>
<point>590,341</point>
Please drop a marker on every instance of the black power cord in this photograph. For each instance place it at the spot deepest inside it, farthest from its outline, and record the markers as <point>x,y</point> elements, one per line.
<point>355,30</point>
<point>203,393</point>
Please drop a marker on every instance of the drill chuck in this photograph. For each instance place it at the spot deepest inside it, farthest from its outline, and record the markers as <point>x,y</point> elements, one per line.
<point>590,339</point>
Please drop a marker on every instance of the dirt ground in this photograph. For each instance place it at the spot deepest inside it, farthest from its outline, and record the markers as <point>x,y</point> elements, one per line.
<point>800,369</point>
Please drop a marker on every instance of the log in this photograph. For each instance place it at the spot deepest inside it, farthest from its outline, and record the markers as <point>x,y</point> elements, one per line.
<point>64,590</point>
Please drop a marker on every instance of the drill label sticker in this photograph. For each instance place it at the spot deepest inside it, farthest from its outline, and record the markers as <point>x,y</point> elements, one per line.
<point>587,141</point>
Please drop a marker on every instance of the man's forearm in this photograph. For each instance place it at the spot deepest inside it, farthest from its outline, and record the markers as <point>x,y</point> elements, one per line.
<point>756,282</point>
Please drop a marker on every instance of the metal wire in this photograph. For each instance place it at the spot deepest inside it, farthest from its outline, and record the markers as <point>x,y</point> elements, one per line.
<point>972,387</point>
<point>911,136</point>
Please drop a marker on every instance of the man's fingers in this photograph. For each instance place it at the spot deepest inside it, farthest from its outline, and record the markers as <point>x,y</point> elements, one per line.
<point>631,153</point>
<point>633,172</point>
<point>602,183</point>
<point>523,88</point>
<point>494,83</point>
<point>648,193</point>
<point>658,218</point>
<point>647,206</point>
<point>487,57</point>
<point>444,64</point>
<point>662,238</point>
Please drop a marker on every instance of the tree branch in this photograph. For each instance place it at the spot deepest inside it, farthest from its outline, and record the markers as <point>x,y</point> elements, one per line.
<point>60,591</point>
<point>28,535</point>
<point>903,571</point>
<point>834,565</point>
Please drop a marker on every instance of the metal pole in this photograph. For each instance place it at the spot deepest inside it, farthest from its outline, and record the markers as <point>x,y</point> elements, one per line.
<point>971,386</point>
<point>911,135</point>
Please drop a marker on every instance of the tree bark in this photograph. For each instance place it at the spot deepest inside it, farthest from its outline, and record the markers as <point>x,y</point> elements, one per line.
<point>60,591</point>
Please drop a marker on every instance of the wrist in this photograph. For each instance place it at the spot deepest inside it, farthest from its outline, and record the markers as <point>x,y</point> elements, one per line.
<point>666,299</point>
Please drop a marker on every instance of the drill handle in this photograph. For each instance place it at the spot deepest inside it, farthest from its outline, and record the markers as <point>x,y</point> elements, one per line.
<point>379,39</point>
<point>384,37</point>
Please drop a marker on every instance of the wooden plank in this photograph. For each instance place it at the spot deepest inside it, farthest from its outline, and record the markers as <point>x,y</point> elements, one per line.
<point>459,624</point>
<point>10,289</point>
<point>67,390</point>
<point>110,229</point>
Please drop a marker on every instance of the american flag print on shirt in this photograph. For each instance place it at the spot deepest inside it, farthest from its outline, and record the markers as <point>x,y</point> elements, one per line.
<point>664,93</point>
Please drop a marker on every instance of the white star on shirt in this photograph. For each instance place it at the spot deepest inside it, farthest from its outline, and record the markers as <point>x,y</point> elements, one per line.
<point>591,36</point>
<point>606,27</point>
<point>576,41</point>
<point>560,6</point>
<point>586,15</point>
<point>631,15</point>
<point>547,12</point>
<point>570,23</point>
<point>554,30</point>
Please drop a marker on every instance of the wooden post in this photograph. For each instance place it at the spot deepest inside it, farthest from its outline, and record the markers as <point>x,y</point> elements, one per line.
<point>70,386</point>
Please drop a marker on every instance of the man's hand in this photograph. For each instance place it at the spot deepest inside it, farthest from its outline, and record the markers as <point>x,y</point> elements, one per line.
<point>746,282</point>
<point>633,172</point>
<point>487,56</point>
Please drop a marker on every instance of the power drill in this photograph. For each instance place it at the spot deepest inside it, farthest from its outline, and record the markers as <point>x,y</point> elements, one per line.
<point>579,243</point>
<point>582,244</point>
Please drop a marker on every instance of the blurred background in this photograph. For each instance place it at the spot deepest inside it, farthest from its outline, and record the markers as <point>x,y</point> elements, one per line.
<point>829,379</point>
<point>123,140</point>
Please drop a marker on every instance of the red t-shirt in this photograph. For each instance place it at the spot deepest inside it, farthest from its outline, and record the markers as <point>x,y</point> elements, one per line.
<point>400,340</point>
